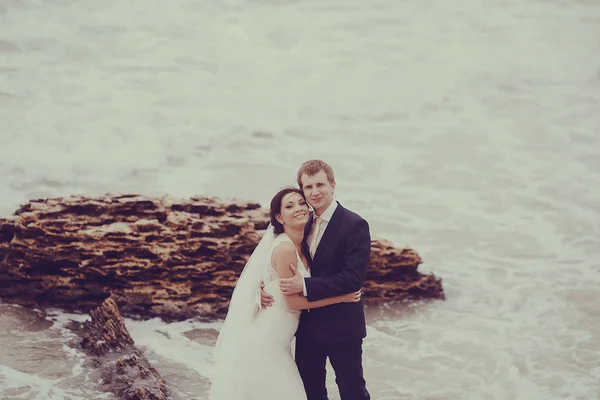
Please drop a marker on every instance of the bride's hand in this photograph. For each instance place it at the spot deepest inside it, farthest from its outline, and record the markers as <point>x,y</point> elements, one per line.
<point>353,297</point>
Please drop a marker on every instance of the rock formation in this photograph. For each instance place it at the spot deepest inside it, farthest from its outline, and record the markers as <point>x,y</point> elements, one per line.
<point>158,257</point>
<point>122,369</point>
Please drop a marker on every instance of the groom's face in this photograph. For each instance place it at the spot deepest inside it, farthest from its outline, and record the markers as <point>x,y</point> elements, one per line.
<point>318,191</point>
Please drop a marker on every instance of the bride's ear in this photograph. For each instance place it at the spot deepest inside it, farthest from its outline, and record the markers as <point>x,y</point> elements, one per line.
<point>278,218</point>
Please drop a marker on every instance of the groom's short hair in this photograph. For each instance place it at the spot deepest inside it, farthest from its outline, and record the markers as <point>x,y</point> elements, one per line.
<point>312,167</point>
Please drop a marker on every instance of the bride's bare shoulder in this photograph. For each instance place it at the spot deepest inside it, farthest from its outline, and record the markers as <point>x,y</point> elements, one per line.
<point>284,249</point>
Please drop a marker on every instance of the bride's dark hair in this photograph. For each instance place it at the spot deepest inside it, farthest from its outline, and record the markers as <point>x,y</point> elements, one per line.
<point>276,207</point>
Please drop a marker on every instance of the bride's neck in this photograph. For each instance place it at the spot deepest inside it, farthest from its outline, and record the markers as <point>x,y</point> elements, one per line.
<point>296,235</point>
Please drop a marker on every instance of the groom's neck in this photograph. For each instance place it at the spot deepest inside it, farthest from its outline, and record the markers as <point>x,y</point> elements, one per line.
<point>320,211</point>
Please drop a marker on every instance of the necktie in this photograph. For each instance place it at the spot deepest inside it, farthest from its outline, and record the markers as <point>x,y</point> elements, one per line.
<point>315,235</point>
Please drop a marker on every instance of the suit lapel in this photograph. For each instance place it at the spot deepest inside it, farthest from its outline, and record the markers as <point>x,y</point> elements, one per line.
<point>331,230</point>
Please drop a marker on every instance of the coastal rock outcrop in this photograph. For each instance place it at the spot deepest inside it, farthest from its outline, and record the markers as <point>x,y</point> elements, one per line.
<point>157,257</point>
<point>121,368</point>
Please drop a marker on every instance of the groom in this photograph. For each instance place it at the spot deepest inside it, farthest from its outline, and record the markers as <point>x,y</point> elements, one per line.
<point>337,245</point>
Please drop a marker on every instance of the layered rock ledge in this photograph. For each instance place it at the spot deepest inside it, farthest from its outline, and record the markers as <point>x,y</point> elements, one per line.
<point>157,257</point>
<point>121,368</point>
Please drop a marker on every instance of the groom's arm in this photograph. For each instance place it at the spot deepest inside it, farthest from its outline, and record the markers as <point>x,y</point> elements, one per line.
<point>353,271</point>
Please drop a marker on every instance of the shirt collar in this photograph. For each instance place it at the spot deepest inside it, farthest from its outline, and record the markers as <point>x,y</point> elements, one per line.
<point>327,214</point>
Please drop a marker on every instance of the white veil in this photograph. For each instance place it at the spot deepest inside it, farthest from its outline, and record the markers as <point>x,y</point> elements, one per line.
<point>244,304</point>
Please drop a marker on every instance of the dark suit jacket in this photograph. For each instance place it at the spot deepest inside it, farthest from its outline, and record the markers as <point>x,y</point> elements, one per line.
<point>339,267</point>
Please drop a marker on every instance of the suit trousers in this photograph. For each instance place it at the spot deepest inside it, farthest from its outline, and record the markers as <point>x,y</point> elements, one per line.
<point>346,360</point>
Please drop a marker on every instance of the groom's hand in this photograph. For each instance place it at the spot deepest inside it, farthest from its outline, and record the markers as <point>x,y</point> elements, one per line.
<point>292,285</point>
<point>266,300</point>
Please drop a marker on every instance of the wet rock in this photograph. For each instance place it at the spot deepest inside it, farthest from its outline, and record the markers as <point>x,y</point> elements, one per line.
<point>122,369</point>
<point>157,257</point>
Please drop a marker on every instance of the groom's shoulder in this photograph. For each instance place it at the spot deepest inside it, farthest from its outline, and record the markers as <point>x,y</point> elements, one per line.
<point>351,216</point>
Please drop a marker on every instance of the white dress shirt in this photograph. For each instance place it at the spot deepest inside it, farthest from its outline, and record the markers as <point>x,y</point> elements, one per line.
<point>325,218</point>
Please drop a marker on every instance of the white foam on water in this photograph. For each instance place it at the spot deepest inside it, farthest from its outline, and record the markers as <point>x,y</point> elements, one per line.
<point>168,340</point>
<point>63,318</point>
<point>48,368</point>
<point>19,385</point>
<point>464,129</point>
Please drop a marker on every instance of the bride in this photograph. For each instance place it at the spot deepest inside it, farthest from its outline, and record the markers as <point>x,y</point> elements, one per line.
<point>253,354</point>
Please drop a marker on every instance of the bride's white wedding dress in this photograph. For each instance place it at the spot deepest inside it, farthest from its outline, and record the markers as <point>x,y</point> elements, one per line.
<point>259,362</point>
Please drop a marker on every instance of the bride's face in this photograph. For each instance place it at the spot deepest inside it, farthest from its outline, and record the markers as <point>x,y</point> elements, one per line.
<point>294,211</point>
